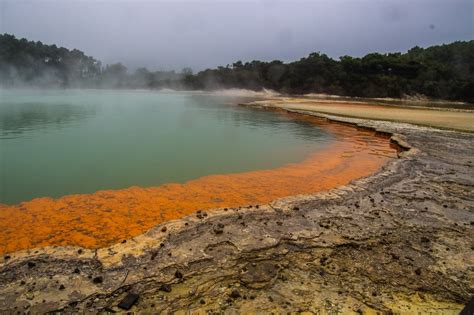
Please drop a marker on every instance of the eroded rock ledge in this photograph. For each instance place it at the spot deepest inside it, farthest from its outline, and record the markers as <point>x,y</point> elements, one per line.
<point>400,240</point>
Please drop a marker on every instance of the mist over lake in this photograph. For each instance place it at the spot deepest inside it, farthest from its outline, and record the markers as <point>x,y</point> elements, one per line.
<point>62,142</point>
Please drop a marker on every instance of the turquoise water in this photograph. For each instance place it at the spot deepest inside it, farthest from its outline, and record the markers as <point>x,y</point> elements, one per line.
<point>54,143</point>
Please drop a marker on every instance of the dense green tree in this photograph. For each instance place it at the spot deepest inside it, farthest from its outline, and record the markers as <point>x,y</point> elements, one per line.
<point>114,75</point>
<point>445,71</point>
<point>33,63</point>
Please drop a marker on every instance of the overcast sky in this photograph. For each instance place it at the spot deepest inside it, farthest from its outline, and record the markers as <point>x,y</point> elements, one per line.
<point>174,34</point>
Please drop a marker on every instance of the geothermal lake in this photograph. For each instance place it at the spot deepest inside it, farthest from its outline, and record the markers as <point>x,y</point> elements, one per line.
<point>60,142</point>
<point>110,165</point>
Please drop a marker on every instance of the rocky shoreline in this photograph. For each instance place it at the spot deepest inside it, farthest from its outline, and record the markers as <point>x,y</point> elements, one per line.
<point>399,240</point>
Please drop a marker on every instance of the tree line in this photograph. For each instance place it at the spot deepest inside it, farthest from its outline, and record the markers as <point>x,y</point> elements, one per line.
<point>444,71</point>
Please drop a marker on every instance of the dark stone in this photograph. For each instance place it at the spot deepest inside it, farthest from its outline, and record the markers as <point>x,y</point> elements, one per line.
<point>79,251</point>
<point>76,270</point>
<point>178,274</point>
<point>425,239</point>
<point>219,228</point>
<point>98,279</point>
<point>235,294</point>
<point>163,229</point>
<point>296,208</point>
<point>124,241</point>
<point>418,271</point>
<point>62,287</point>
<point>469,308</point>
<point>165,287</point>
<point>6,257</point>
<point>202,301</point>
<point>279,223</point>
<point>31,264</point>
<point>128,301</point>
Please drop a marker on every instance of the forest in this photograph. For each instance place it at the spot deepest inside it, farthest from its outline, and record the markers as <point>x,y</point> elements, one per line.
<point>440,72</point>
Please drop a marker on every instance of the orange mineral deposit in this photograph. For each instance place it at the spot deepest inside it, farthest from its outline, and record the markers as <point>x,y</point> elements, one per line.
<point>109,216</point>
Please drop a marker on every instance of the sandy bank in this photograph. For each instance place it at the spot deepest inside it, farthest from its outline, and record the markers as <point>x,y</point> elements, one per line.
<point>462,120</point>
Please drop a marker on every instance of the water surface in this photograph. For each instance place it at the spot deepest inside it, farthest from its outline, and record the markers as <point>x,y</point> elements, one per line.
<point>182,153</point>
<point>55,143</point>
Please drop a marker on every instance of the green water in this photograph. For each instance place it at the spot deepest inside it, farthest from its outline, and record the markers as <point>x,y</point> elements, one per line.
<point>54,143</point>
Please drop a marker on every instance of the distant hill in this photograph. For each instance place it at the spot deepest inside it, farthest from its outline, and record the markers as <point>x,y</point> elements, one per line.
<point>445,72</point>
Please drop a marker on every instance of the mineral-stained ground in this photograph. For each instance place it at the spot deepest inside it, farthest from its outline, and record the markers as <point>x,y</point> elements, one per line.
<point>401,240</point>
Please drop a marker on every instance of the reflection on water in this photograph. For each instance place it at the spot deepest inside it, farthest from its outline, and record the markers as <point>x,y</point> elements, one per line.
<point>16,119</point>
<point>188,152</point>
<point>54,143</point>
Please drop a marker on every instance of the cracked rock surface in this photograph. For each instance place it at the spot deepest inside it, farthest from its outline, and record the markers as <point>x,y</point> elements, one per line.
<point>400,240</point>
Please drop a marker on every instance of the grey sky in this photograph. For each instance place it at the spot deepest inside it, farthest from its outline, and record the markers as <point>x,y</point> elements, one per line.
<point>173,34</point>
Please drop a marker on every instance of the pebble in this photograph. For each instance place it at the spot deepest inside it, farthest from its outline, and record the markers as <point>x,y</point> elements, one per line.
<point>219,228</point>
<point>235,294</point>
<point>128,301</point>
<point>425,239</point>
<point>165,287</point>
<point>98,279</point>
